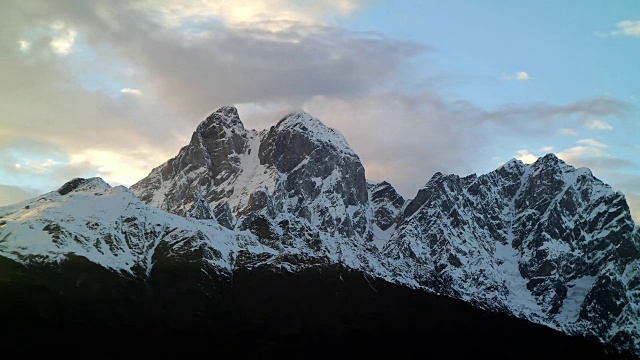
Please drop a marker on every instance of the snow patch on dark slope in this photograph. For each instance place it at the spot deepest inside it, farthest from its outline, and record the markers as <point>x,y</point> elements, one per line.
<point>545,242</point>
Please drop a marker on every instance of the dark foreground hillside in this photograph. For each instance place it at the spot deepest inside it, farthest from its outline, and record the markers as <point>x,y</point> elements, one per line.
<point>322,311</point>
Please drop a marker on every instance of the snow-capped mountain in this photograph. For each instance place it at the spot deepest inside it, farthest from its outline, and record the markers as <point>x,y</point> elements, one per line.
<point>299,167</point>
<point>111,227</point>
<point>545,242</point>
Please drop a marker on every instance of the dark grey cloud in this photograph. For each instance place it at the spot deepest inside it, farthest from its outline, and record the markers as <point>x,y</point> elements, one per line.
<point>51,108</point>
<point>208,64</point>
<point>181,75</point>
<point>539,117</point>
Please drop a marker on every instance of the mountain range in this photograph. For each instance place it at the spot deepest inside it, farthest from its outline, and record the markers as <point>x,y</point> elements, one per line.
<point>277,237</point>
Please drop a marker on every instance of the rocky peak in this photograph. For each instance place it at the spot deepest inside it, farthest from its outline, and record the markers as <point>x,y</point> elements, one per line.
<point>299,166</point>
<point>386,203</point>
<point>438,184</point>
<point>546,238</point>
<point>220,135</point>
<point>319,168</point>
<point>81,184</point>
<point>549,160</point>
<point>314,130</point>
<point>226,117</point>
<point>212,157</point>
<point>546,242</point>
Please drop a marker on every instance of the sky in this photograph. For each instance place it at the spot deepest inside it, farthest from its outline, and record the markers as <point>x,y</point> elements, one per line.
<point>114,88</point>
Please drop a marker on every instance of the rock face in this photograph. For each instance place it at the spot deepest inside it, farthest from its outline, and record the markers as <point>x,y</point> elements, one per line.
<point>386,205</point>
<point>545,242</point>
<point>386,202</point>
<point>299,167</point>
<point>200,209</point>
<point>212,158</point>
<point>323,180</point>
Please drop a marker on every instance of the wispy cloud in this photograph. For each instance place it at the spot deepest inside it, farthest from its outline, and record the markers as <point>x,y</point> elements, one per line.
<point>24,45</point>
<point>525,156</point>
<point>595,124</point>
<point>520,76</point>
<point>270,55</point>
<point>130,91</point>
<point>568,132</point>
<point>627,28</point>
<point>544,118</point>
<point>589,153</point>
<point>593,142</point>
<point>64,38</point>
<point>131,46</point>
<point>241,13</point>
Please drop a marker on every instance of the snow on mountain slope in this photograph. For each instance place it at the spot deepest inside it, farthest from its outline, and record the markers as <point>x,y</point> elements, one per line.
<point>545,241</point>
<point>299,167</point>
<point>113,228</point>
<point>109,226</point>
<point>386,206</point>
<point>315,131</point>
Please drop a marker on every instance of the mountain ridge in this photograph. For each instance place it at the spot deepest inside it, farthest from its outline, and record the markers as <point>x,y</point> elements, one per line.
<point>545,241</point>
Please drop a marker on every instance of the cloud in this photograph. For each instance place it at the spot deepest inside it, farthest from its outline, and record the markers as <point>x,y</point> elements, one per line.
<point>545,112</point>
<point>593,143</point>
<point>303,58</point>
<point>269,57</point>
<point>407,138</point>
<point>24,45</point>
<point>627,28</point>
<point>70,107</point>
<point>64,38</point>
<point>592,153</point>
<point>130,91</point>
<point>115,167</point>
<point>520,76</point>
<point>546,149</point>
<point>594,124</point>
<point>589,153</point>
<point>568,132</point>
<point>301,62</point>
<point>174,13</point>
<point>526,157</point>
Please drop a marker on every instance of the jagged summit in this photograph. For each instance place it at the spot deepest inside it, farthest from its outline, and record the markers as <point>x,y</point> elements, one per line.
<point>512,164</point>
<point>545,241</point>
<point>226,116</point>
<point>315,130</point>
<point>551,158</point>
<point>79,184</point>
<point>244,174</point>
